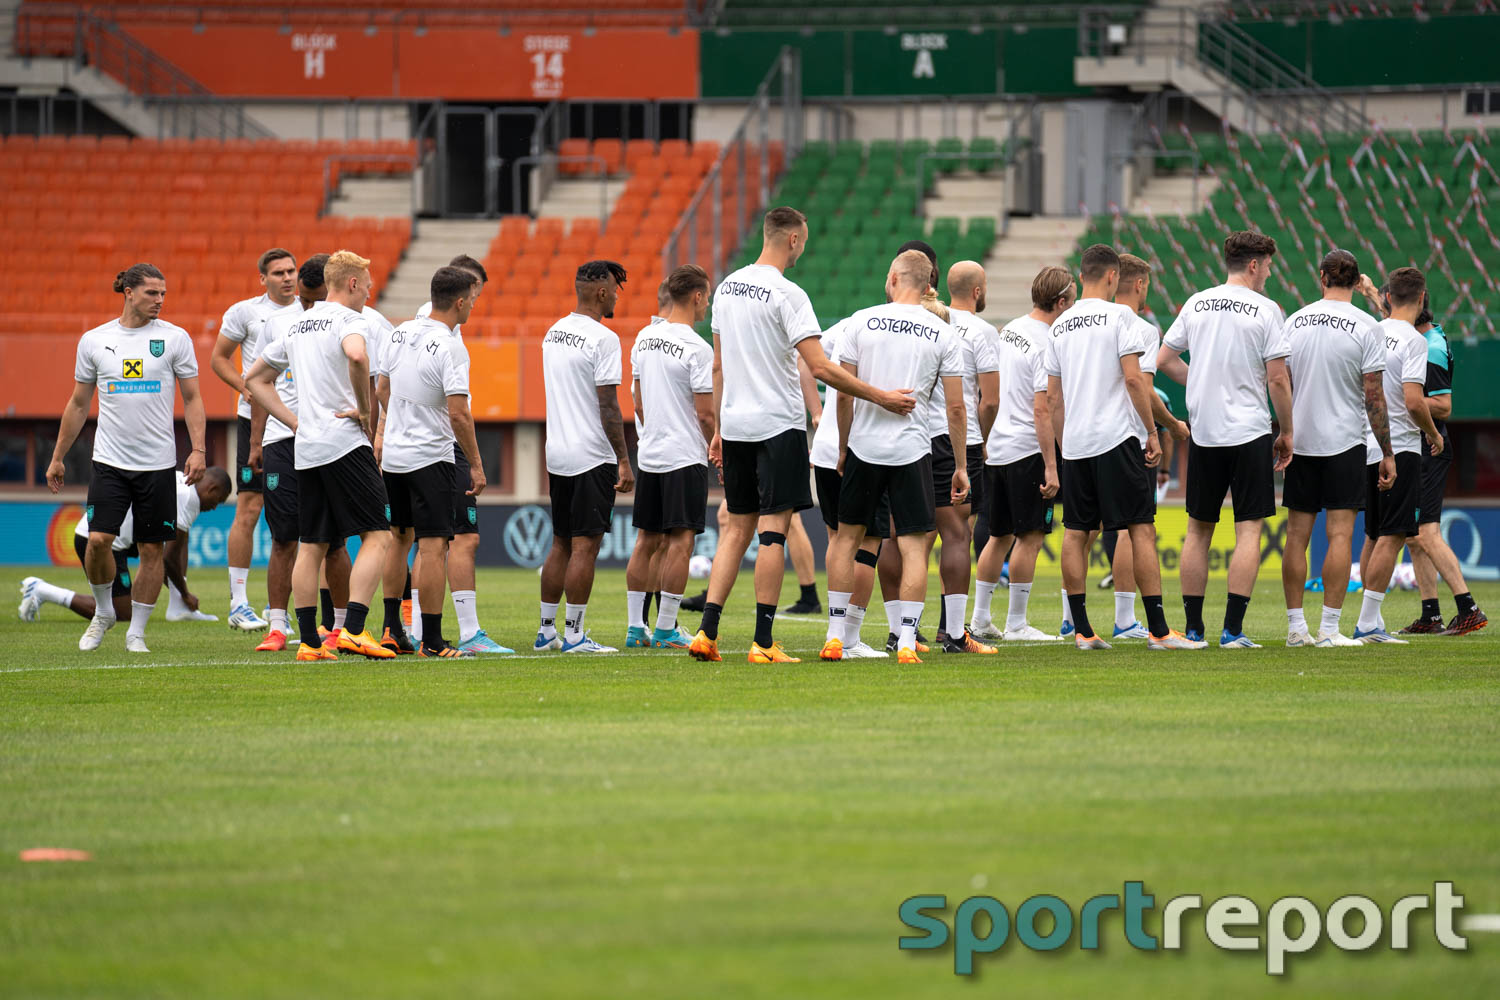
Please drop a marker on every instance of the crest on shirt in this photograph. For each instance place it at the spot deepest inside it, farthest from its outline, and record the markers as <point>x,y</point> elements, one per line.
<point>272,478</point>
<point>88,512</point>
<point>246,473</point>
<point>158,348</point>
<point>473,515</point>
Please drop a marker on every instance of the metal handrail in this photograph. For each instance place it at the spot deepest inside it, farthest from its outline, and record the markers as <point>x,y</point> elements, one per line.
<point>554,158</point>
<point>328,161</point>
<point>920,178</point>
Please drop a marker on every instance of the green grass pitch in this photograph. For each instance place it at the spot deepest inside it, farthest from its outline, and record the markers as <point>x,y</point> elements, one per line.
<point>647,826</point>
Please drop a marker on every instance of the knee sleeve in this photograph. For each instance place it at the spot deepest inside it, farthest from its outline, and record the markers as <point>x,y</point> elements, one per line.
<point>772,538</point>
<point>867,558</point>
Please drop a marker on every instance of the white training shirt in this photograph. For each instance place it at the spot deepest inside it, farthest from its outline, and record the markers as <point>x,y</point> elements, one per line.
<point>1405,361</point>
<point>1230,332</point>
<point>825,443</point>
<point>189,506</point>
<point>760,317</point>
<point>898,347</point>
<point>380,335</point>
<point>1021,350</point>
<point>313,347</point>
<point>579,354</point>
<point>1150,338</point>
<point>418,430</point>
<point>136,372</point>
<point>272,329</point>
<point>458,347</point>
<point>672,364</point>
<point>1334,345</point>
<point>977,339</point>
<point>1084,349</point>
<point>640,428</point>
<point>242,323</point>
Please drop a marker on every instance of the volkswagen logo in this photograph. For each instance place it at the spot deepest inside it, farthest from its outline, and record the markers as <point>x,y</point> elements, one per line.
<point>528,536</point>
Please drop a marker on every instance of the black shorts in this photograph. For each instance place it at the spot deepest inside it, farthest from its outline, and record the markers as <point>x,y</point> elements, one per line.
<point>1113,490</point>
<point>1243,470</point>
<point>671,501</point>
<point>943,468</point>
<point>583,505</point>
<point>279,461</point>
<point>346,497</point>
<point>246,479</point>
<point>422,500</point>
<point>150,497</point>
<point>829,485</point>
<point>1434,485</point>
<point>766,477</point>
<point>1393,511</point>
<point>120,585</point>
<point>905,489</point>
<point>1015,502</point>
<point>465,507</point>
<point>1326,482</point>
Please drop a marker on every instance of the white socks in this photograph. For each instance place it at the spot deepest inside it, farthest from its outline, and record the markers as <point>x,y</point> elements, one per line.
<point>852,622</point>
<point>1296,621</point>
<point>1124,609</point>
<point>175,603</point>
<point>104,599</point>
<point>956,606</point>
<point>548,627</point>
<point>1067,609</point>
<point>893,616</point>
<point>984,593</point>
<point>53,594</point>
<point>573,622</point>
<point>666,612</point>
<point>1369,610</point>
<point>1331,618</point>
<point>139,613</point>
<point>238,575</point>
<point>1020,596</point>
<point>911,611</point>
<point>339,614</point>
<point>466,609</point>
<point>278,620</point>
<point>838,614</point>
<point>635,608</point>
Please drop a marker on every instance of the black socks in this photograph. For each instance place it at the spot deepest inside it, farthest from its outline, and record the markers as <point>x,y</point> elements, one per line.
<point>354,621</point>
<point>710,623</point>
<point>1193,608</point>
<point>307,625</point>
<point>1234,613</point>
<point>765,621</point>
<point>393,616</point>
<point>1156,618</point>
<point>432,631</point>
<point>1076,604</point>
<point>325,598</point>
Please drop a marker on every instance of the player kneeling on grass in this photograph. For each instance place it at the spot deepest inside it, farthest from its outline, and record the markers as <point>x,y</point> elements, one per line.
<point>206,494</point>
<point>1100,404</point>
<point>427,412</point>
<point>674,398</point>
<point>886,456</point>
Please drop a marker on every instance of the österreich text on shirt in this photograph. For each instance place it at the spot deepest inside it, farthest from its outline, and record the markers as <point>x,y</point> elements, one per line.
<point>661,345</point>
<point>745,290</point>
<point>907,326</point>
<point>1324,319</point>
<point>566,338</point>
<point>1227,305</point>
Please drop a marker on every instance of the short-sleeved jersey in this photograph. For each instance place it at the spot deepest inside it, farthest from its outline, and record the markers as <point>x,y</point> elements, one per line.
<point>977,338</point>
<point>418,429</point>
<point>1085,345</point>
<point>1334,345</point>
<point>896,346</point>
<point>189,506</point>
<point>1021,350</point>
<point>824,453</point>
<point>1230,332</point>
<point>242,323</point>
<point>1150,337</point>
<point>313,347</point>
<point>759,318</point>
<point>135,371</point>
<point>579,354</point>
<point>673,365</point>
<point>1405,361</point>
<point>380,334</point>
<point>273,328</point>
<point>1439,369</point>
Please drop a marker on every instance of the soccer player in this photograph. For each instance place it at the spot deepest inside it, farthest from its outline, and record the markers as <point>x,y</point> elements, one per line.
<point>210,491</point>
<point>887,456</point>
<point>273,456</point>
<point>762,322</point>
<point>1021,462</point>
<point>587,463</point>
<point>340,492</point>
<point>1239,349</point>
<point>1430,552</point>
<point>138,361</point>
<point>1100,405</point>
<point>1391,510</point>
<point>426,416</point>
<point>240,329</point>
<point>1337,366</point>
<point>673,382</point>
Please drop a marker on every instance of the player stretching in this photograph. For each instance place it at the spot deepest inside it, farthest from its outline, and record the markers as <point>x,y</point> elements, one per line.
<point>1100,405</point>
<point>672,370</point>
<point>1236,338</point>
<point>886,457</point>
<point>339,486</point>
<point>137,361</point>
<point>1337,366</point>
<point>587,463</point>
<point>1021,464</point>
<point>241,329</point>
<point>762,322</point>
